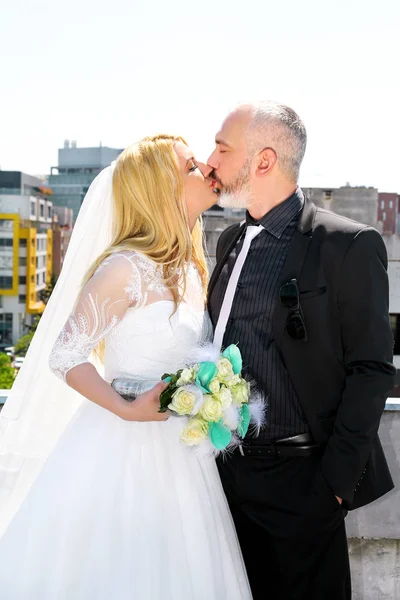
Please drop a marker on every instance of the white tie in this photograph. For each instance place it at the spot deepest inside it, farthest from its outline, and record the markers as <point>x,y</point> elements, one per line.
<point>251,232</point>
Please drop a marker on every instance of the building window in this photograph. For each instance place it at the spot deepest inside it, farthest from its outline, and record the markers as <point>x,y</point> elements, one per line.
<point>6,242</point>
<point>33,209</point>
<point>391,204</point>
<point>32,279</point>
<point>382,204</point>
<point>22,261</point>
<point>327,195</point>
<point>42,210</point>
<point>22,298</point>
<point>384,216</point>
<point>6,325</point>
<point>22,280</point>
<point>6,282</point>
<point>49,212</point>
<point>22,243</point>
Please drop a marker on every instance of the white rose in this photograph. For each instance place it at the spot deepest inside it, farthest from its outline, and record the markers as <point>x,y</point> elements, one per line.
<point>183,401</point>
<point>214,386</point>
<point>194,432</point>
<point>212,409</point>
<point>187,376</point>
<point>225,397</point>
<point>224,370</point>
<point>234,381</point>
<point>241,392</point>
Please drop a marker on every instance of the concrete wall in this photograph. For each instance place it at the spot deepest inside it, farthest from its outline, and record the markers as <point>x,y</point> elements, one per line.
<point>374,531</point>
<point>215,221</point>
<point>357,203</point>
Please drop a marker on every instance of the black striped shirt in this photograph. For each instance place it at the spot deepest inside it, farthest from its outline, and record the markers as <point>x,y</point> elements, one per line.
<point>250,322</point>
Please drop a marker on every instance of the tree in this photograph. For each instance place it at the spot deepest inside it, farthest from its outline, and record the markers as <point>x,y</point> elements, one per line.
<point>7,373</point>
<point>46,293</point>
<point>21,347</point>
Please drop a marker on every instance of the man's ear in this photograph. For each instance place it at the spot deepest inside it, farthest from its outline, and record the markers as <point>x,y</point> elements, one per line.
<point>266,160</point>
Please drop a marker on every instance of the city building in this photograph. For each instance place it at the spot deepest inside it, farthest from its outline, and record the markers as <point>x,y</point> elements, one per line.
<point>62,231</point>
<point>61,239</point>
<point>63,217</point>
<point>357,203</point>
<point>26,252</point>
<point>389,212</point>
<point>215,220</point>
<point>77,167</point>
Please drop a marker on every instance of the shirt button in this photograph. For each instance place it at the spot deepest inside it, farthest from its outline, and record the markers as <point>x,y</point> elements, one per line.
<point>239,286</point>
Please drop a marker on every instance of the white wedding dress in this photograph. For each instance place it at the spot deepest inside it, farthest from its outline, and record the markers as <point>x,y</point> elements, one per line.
<point>124,510</point>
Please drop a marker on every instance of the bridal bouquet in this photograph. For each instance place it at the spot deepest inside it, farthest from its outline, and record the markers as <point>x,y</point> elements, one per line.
<point>215,402</point>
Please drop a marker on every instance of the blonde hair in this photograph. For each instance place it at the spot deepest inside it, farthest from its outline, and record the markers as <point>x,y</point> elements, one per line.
<point>150,215</point>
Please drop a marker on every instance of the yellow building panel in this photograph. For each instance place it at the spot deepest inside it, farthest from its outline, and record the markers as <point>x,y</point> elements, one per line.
<point>32,306</point>
<point>49,256</point>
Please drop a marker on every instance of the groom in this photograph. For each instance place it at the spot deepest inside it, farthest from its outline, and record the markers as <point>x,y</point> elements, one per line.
<point>304,293</point>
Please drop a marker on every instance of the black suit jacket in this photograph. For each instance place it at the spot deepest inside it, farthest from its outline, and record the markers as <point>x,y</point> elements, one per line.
<point>343,373</point>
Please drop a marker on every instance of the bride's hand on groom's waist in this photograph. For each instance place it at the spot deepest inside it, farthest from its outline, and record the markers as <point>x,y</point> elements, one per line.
<point>145,407</point>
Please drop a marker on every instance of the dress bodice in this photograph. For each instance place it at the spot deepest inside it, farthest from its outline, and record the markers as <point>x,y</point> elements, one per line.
<point>127,304</point>
<point>149,341</point>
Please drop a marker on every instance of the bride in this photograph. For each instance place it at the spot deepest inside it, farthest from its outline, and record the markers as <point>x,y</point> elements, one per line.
<point>99,499</point>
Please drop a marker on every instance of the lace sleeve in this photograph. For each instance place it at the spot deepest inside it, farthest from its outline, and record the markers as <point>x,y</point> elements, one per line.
<point>102,304</point>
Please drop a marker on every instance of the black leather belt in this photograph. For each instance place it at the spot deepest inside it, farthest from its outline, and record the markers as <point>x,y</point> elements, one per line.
<point>297,445</point>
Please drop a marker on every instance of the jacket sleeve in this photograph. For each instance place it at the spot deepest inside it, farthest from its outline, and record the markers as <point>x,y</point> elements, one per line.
<point>367,343</point>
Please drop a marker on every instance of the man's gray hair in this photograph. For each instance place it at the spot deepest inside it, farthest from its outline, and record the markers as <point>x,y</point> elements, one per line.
<point>279,127</point>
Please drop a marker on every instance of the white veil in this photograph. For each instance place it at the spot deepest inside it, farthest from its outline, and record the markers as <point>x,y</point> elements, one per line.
<point>40,406</point>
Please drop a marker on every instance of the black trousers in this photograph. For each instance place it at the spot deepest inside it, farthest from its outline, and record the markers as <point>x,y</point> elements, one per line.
<point>290,527</point>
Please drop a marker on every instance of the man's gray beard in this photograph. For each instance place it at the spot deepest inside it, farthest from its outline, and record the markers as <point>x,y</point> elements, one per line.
<point>237,194</point>
<point>237,199</point>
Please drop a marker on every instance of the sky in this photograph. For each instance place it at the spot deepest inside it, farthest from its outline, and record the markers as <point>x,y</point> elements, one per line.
<point>114,71</point>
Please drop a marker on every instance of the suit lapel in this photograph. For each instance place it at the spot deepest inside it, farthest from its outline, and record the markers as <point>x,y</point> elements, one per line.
<point>228,249</point>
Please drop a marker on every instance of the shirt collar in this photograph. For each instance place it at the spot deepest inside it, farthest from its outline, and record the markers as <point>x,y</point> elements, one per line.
<point>277,219</point>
